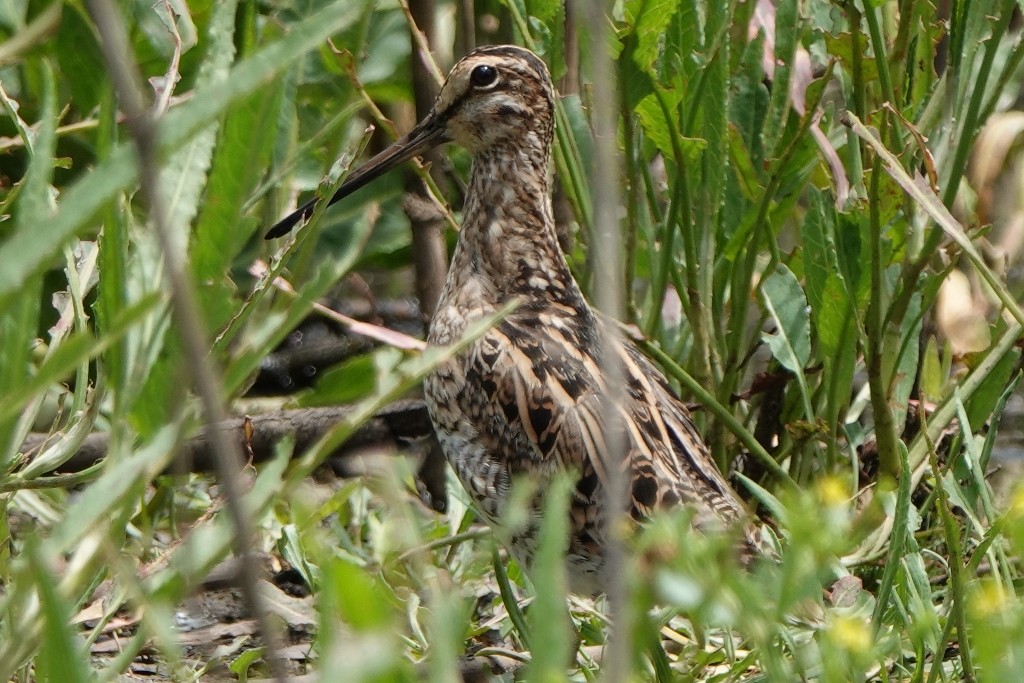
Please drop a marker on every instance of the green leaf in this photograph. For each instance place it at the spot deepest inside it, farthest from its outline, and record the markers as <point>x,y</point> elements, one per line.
<point>840,46</point>
<point>362,601</point>
<point>61,658</point>
<point>850,236</point>
<point>791,343</point>
<point>241,664</point>
<point>742,166</point>
<point>818,251</point>
<point>714,119</point>
<point>996,417</point>
<point>547,21</point>
<point>981,404</point>
<point>82,68</point>
<point>932,380</point>
<point>788,24</point>
<point>749,102</point>
<point>682,61</point>
<point>243,152</point>
<point>636,84</point>
<point>352,380</point>
<point>784,300</point>
<point>649,20</point>
<point>663,132</point>
<point>835,324</point>
<point>548,620</point>
<point>19,319</point>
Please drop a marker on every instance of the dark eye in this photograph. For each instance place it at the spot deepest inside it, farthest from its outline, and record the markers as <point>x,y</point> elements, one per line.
<point>483,76</point>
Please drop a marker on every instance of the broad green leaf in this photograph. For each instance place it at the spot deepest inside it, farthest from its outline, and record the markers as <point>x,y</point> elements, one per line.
<point>242,154</point>
<point>818,251</point>
<point>635,83</point>
<point>928,34</point>
<point>246,140</point>
<point>351,381</point>
<point>851,237</point>
<point>362,601</point>
<point>785,302</point>
<point>649,19</point>
<point>576,117</point>
<point>841,47</point>
<point>791,343</point>
<point>547,19</point>
<point>684,54</point>
<point>663,132</point>
<point>835,324</point>
<point>240,665</point>
<point>749,103</point>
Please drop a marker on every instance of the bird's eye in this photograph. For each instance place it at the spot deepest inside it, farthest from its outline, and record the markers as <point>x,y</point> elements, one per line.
<point>483,76</point>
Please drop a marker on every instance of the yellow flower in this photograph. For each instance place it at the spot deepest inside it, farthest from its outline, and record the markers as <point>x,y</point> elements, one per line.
<point>831,491</point>
<point>988,600</point>
<point>851,634</point>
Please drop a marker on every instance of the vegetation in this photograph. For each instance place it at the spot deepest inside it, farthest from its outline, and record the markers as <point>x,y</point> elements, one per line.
<point>811,250</point>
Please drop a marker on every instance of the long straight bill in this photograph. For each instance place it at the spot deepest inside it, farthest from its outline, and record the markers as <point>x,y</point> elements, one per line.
<point>428,133</point>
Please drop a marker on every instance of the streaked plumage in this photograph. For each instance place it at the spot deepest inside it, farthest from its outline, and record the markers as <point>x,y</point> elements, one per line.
<point>526,398</point>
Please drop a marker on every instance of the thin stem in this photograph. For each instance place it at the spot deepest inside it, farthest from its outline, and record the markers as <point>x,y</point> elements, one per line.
<point>705,398</point>
<point>950,527</point>
<point>690,296</point>
<point>885,428</point>
<point>508,597</point>
<point>205,377</point>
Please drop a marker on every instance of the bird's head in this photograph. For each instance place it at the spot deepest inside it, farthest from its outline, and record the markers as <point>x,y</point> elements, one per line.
<point>494,95</point>
<point>498,95</point>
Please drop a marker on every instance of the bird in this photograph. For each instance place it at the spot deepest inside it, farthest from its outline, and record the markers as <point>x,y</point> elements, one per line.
<point>528,397</point>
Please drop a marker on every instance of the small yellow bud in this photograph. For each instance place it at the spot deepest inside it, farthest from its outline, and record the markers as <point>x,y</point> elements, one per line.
<point>832,492</point>
<point>851,634</point>
<point>989,600</point>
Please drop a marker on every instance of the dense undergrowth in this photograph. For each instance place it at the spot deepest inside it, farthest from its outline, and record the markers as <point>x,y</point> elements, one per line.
<point>818,212</point>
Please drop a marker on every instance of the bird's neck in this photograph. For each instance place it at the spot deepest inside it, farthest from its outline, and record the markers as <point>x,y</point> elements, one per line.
<point>508,231</point>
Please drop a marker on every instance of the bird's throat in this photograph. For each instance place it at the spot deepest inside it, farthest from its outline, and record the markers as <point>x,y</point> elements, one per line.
<point>508,230</point>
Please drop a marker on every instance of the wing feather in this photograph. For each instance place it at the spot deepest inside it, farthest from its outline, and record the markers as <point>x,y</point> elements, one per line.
<point>551,415</point>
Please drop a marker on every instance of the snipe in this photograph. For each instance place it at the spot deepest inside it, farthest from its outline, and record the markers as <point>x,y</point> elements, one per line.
<point>526,397</point>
